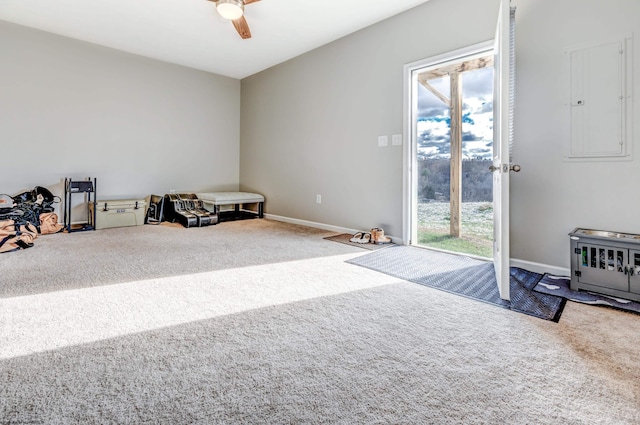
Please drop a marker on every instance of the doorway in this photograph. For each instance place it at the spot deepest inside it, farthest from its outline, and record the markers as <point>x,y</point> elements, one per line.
<point>451,152</point>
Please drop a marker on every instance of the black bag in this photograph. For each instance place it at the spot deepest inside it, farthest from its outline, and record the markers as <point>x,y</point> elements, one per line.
<point>29,205</point>
<point>43,197</point>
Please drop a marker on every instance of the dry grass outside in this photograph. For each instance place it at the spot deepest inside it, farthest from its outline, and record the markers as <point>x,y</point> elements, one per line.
<point>476,228</point>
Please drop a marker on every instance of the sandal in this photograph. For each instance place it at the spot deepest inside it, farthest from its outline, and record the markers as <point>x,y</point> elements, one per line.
<point>356,238</point>
<point>361,237</point>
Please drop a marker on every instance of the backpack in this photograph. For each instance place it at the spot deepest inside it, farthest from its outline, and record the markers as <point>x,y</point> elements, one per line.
<point>14,236</point>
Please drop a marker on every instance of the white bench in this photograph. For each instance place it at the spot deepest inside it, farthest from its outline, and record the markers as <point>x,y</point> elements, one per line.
<point>214,200</point>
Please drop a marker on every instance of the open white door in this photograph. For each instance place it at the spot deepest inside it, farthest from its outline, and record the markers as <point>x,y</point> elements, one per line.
<point>501,142</point>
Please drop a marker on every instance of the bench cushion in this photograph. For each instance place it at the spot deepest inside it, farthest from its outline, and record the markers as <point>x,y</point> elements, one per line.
<point>228,198</point>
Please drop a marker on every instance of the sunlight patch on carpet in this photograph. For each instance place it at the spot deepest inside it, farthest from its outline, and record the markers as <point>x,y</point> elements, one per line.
<point>48,321</point>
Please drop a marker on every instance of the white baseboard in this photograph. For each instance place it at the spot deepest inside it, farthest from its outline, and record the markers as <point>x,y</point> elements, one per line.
<point>310,224</point>
<point>540,268</point>
<point>322,226</point>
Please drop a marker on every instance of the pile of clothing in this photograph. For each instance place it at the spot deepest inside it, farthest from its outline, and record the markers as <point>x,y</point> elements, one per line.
<point>25,216</point>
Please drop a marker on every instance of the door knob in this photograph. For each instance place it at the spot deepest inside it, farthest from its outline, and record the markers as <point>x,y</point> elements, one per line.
<point>515,168</point>
<point>493,168</point>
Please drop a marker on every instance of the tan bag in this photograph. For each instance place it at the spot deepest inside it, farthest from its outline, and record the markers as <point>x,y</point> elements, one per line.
<point>13,238</point>
<point>49,223</point>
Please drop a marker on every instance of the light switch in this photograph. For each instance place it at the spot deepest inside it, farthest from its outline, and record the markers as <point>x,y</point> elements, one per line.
<point>383,141</point>
<point>396,140</point>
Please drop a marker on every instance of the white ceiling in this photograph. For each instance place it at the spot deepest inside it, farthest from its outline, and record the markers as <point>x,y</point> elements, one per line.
<point>191,33</point>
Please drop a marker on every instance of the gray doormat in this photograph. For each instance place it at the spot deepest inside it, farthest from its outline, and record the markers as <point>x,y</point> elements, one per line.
<point>345,239</point>
<point>561,287</point>
<point>464,276</point>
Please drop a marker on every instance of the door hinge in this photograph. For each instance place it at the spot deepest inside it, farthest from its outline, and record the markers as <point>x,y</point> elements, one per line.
<point>578,273</point>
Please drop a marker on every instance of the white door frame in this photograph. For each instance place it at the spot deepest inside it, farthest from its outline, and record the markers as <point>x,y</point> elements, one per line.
<point>409,170</point>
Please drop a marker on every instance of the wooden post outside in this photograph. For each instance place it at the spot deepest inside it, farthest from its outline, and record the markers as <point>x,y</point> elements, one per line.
<point>455,106</point>
<point>456,154</point>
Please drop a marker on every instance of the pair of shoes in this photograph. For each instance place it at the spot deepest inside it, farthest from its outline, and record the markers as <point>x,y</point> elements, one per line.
<point>361,237</point>
<point>378,237</point>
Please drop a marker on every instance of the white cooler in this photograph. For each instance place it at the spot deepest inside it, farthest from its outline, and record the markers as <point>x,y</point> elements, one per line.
<point>121,213</point>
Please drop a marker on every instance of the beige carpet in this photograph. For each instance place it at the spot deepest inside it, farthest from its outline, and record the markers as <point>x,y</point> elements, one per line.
<point>260,322</point>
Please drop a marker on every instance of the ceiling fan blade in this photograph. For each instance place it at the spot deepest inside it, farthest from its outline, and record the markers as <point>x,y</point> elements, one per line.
<point>242,27</point>
<point>246,2</point>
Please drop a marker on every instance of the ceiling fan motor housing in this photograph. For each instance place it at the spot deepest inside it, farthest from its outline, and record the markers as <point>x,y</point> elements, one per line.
<point>230,9</point>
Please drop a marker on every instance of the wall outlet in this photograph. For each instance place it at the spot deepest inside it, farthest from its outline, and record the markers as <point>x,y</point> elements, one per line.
<point>172,191</point>
<point>396,140</point>
<point>318,199</point>
<point>383,141</point>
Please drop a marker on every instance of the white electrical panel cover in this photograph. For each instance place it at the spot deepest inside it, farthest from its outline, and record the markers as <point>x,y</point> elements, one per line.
<point>600,100</point>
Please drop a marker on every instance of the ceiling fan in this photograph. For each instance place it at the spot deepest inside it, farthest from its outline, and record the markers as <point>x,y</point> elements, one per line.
<point>233,10</point>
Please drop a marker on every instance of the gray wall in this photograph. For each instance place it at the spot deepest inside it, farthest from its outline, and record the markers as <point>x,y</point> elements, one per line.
<point>72,109</point>
<point>311,125</point>
<point>550,197</point>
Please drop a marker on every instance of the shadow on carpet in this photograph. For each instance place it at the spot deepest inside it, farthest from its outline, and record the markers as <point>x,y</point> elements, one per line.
<point>464,276</point>
<point>561,287</point>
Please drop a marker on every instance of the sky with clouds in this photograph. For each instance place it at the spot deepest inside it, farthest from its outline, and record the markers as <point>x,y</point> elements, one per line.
<point>477,117</point>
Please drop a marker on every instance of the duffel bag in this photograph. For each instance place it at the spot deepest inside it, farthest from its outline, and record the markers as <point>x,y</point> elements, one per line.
<point>14,237</point>
<point>49,223</point>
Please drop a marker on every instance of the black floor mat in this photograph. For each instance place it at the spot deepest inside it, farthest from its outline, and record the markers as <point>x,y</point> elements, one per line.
<point>464,276</point>
<point>560,286</point>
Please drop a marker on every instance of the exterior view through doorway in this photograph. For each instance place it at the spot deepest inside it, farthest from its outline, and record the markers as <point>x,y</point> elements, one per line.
<point>452,150</point>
